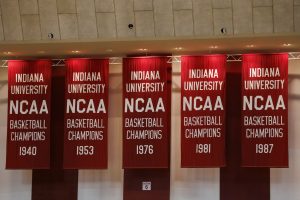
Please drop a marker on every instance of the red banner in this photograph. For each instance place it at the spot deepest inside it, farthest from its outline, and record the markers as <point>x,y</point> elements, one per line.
<point>265,110</point>
<point>203,111</point>
<point>86,114</point>
<point>146,112</point>
<point>28,123</point>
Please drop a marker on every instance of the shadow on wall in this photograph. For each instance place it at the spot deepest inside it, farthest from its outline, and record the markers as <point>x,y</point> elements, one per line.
<point>2,86</point>
<point>294,80</point>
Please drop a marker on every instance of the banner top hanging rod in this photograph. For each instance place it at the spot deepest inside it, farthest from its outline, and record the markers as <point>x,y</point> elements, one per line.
<point>172,59</point>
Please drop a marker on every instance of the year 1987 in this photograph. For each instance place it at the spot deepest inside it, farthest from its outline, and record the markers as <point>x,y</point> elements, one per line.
<point>263,148</point>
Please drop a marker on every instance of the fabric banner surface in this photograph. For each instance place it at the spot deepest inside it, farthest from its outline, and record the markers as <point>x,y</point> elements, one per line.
<point>203,111</point>
<point>146,112</point>
<point>29,113</point>
<point>86,114</point>
<point>265,110</point>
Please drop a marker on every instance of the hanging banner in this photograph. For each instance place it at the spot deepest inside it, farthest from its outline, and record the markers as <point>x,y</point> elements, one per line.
<point>86,114</point>
<point>28,120</point>
<point>146,112</point>
<point>265,110</point>
<point>203,111</point>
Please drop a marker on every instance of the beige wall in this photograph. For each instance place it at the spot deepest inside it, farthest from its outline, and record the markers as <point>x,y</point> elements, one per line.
<point>30,20</point>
